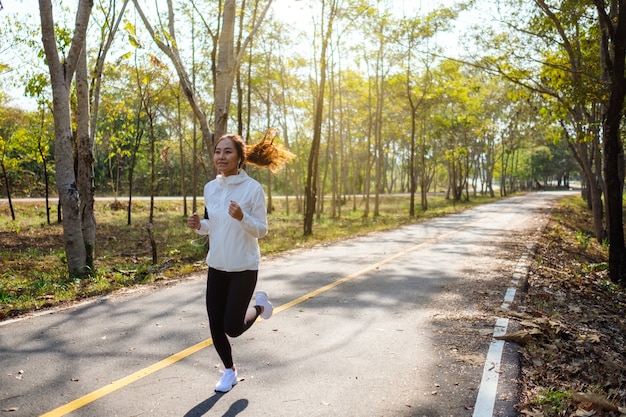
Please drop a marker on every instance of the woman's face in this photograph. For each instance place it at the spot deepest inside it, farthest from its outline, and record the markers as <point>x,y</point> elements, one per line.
<point>225,158</point>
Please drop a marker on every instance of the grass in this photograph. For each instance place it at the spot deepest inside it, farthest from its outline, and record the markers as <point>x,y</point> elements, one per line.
<point>34,273</point>
<point>552,399</point>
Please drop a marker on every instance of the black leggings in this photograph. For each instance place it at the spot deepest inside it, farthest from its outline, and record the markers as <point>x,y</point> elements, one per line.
<point>228,295</point>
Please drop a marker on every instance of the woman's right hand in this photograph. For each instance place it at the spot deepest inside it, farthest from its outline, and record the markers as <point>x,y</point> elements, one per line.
<point>193,221</point>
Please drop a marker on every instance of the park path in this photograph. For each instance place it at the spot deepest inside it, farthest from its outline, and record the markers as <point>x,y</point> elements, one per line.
<point>394,323</point>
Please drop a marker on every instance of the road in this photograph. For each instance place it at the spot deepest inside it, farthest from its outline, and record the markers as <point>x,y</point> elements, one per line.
<point>395,323</point>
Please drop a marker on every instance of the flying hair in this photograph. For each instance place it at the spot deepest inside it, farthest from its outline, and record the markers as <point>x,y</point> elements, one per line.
<point>267,154</point>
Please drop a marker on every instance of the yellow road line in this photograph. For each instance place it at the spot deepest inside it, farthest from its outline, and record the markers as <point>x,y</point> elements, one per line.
<point>121,383</point>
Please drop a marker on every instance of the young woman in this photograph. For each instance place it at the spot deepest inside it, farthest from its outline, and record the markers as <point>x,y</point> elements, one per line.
<point>235,218</point>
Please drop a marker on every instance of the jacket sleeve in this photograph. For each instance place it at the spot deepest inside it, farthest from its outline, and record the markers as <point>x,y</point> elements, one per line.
<point>204,222</point>
<point>204,227</point>
<point>254,222</point>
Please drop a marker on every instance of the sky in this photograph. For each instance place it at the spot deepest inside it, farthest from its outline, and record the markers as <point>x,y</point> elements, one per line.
<point>294,12</point>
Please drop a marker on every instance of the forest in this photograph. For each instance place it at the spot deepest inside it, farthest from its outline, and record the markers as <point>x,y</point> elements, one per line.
<point>125,98</point>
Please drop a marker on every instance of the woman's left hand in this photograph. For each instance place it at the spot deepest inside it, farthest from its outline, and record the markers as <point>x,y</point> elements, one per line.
<point>235,211</point>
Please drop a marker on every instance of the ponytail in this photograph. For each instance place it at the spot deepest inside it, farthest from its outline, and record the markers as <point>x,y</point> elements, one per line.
<point>267,154</point>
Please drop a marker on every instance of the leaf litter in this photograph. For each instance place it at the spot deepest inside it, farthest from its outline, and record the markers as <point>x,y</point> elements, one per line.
<point>572,326</point>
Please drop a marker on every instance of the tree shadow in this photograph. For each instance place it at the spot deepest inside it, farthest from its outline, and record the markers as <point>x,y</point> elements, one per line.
<point>206,406</point>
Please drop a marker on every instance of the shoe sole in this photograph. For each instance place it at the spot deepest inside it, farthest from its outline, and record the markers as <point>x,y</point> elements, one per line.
<point>228,390</point>
<point>270,304</point>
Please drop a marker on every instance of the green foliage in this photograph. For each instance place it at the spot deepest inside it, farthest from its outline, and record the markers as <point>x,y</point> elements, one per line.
<point>465,115</point>
<point>36,86</point>
<point>609,286</point>
<point>583,239</point>
<point>23,146</point>
<point>552,401</point>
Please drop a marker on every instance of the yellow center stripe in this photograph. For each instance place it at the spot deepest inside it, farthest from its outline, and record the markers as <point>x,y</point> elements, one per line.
<point>120,383</point>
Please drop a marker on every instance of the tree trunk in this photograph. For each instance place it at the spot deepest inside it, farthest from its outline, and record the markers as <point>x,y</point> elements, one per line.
<point>613,56</point>
<point>181,150</point>
<point>310,189</point>
<point>133,158</point>
<point>61,74</point>
<point>378,131</point>
<point>84,161</point>
<point>423,172</point>
<point>152,164</point>
<point>44,163</point>
<point>412,151</point>
<point>7,186</point>
<point>225,70</point>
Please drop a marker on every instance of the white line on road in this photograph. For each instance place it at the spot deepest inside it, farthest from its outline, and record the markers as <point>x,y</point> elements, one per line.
<point>489,384</point>
<point>486,399</point>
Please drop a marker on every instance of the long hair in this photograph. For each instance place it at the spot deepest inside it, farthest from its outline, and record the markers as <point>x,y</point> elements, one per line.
<point>265,153</point>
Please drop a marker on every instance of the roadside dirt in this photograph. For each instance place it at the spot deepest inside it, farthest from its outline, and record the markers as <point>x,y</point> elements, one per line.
<point>572,321</point>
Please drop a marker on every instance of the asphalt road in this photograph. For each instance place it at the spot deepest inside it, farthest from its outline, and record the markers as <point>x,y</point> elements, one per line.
<point>396,323</point>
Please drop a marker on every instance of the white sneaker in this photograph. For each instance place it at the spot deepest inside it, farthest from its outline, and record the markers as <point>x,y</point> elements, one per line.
<point>262,300</point>
<point>227,381</point>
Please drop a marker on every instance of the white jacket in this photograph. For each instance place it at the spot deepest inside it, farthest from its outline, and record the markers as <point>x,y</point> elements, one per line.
<point>233,244</point>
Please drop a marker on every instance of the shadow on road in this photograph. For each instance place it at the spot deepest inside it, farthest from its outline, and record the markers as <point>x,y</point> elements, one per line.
<point>206,406</point>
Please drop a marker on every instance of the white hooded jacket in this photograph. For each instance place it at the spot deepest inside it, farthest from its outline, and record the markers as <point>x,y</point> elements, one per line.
<point>233,244</point>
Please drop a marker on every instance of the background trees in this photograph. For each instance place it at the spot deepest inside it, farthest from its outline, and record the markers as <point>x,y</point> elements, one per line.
<point>364,93</point>
<point>567,51</point>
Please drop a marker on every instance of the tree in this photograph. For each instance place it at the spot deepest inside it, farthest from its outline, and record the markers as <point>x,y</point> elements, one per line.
<point>418,89</point>
<point>229,60</point>
<point>35,88</point>
<point>613,57</point>
<point>8,152</point>
<point>88,99</point>
<point>61,73</point>
<point>310,189</point>
<point>551,50</point>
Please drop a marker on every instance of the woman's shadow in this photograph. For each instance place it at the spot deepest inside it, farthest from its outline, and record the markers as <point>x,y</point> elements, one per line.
<point>206,405</point>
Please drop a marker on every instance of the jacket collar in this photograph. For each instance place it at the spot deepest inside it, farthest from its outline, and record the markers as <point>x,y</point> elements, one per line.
<point>232,179</point>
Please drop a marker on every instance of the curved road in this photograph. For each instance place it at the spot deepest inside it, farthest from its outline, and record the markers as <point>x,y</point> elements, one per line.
<point>396,323</point>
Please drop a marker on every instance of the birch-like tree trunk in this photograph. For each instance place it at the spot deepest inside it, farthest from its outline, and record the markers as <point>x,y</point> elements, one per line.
<point>61,74</point>
<point>85,160</point>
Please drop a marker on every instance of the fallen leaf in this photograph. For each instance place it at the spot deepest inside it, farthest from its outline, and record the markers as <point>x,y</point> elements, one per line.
<point>594,338</point>
<point>531,323</point>
<point>532,413</point>
<point>520,337</point>
<point>584,413</point>
<point>596,399</point>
